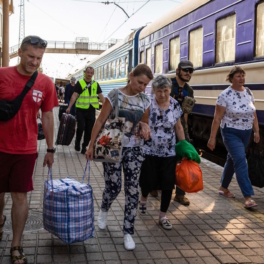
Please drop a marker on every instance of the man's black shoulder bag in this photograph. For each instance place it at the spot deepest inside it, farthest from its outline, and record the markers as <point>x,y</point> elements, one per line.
<point>8,109</point>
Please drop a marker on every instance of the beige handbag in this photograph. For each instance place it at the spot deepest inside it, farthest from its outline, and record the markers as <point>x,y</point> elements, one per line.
<point>188,104</point>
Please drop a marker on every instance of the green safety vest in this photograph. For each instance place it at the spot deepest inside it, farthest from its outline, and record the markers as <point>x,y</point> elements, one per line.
<point>85,99</point>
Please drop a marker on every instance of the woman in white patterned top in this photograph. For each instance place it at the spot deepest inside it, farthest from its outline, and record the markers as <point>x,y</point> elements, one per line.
<point>158,169</point>
<point>235,113</point>
<point>132,104</point>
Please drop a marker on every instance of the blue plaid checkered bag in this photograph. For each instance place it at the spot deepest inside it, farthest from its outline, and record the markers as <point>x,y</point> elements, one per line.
<point>68,210</point>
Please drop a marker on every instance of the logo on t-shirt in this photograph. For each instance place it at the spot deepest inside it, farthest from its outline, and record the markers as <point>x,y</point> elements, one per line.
<point>37,95</point>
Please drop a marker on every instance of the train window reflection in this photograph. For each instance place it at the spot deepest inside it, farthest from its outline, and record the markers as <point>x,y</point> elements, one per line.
<point>149,58</point>
<point>107,71</point>
<point>174,53</point>
<point>225,39</point>
<point>112,70</point>
<point>126,66</point>
<point>260,31</point>
<point>196,47</point>
<point>142,57</point>
<point>120,64</point>
<point>158,58</point>
<point>116,69</point>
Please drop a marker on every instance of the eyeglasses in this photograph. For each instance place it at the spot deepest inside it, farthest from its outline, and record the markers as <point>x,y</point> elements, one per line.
<point>188,70</point>
<point>36,41</point>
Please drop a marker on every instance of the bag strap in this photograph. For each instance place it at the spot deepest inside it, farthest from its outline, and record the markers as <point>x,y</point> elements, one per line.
<point>86,87</point>
<point>89,172</point>
<point>50,177</point>
<point>28,86</point>
<point>116,103</point>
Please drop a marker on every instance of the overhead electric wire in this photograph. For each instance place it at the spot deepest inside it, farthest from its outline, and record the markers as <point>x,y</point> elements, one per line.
<point>98,2</point>
<point>54,18</point>
<point>107,23</point>
<point>126,20</point>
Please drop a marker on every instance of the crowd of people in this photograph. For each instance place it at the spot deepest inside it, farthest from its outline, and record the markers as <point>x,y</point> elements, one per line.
<point>161,122</point>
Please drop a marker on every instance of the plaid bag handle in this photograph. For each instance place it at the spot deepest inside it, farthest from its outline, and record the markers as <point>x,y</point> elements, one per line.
<point>50,177</point>
<point>88,161</point>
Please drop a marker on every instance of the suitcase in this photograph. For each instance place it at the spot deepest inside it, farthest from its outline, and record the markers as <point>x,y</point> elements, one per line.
<point>66,130</point>
<point>62,110</point>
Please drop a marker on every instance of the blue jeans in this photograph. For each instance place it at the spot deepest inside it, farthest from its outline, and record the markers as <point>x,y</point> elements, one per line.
<point>236,141</point>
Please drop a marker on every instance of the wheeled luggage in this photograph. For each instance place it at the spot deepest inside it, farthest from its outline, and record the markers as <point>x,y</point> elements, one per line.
<point>66,130</point>
<point>62,110</point>
<point>68,210</point>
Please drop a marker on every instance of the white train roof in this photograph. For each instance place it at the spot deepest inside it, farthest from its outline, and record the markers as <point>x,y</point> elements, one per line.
<point>179,11</point>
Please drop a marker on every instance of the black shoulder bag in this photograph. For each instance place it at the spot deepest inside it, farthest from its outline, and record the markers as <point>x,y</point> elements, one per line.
<point>256,166</point>
<point>8,109</point>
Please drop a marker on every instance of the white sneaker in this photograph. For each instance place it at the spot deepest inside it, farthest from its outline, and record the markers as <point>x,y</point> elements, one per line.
<point>129,243</point>
<point>102,219</point>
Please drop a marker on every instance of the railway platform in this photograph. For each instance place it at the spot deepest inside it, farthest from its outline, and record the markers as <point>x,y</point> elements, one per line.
<point>213,229</point>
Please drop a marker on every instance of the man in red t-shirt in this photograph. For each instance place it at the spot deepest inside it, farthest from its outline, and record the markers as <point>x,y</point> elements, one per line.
<point>18,136</point>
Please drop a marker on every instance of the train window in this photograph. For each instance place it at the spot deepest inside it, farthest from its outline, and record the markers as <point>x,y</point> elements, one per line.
<point>196,47</point>
<point>107,71</point>
<point>120,66</point>
<point>174,53</point>
<point>116,69</point>
<point>149,57</point>
<point>260,31</point>
<point>112,70</point>
<point>142,57</point>
<point>103,73</point>
<point>226,39</point>
<point>99,73</point>
<point>158,58</point>
<point>126,66</point>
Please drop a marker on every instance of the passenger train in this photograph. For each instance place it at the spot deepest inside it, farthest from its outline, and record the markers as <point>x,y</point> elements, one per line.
<point>213,34</point>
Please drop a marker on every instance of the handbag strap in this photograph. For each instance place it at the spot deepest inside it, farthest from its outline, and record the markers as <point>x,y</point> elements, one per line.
<point>28,86</point>
<point>116,103</point>
<point>50,177</point>
<point>89,172</point>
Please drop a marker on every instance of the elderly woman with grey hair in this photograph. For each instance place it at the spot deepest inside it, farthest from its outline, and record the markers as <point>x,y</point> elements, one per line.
<point>158,168</point>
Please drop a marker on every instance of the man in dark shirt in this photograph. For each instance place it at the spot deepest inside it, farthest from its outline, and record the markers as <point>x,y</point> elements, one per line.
<point>179,90</point>
<point>85,107</point>
<point>69,90</point>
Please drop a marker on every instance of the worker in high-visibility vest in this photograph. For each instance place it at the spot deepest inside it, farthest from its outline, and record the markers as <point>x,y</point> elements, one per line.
<point>86,92</point>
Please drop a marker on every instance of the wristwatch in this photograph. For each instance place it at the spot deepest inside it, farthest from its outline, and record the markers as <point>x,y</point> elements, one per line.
<point>53,150</point>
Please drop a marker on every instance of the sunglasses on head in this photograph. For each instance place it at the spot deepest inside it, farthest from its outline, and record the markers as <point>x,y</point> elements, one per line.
<point>188,70</point>
<point>36,41</point>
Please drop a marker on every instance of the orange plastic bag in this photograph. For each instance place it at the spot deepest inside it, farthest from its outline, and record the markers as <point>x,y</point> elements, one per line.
<point>189,176</point>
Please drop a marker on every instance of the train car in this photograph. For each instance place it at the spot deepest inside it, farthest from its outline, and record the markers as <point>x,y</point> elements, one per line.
<point>214,35</point>
<point>111,68</point>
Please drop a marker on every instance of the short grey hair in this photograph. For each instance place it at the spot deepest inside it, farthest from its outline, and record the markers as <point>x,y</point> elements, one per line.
<point>161,81</point>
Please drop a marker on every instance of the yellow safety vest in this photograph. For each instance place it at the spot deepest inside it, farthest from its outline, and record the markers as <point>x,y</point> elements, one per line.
<point>85,99</point>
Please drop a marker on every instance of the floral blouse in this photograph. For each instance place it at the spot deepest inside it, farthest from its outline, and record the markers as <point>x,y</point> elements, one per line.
<point>162,125</point>
<point>239,106</point>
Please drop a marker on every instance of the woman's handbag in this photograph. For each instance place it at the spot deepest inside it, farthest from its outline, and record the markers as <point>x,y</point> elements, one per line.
<point>68,210</point>
<point>189,176</point>
<point>256,167</point>
<point>8,109</point>
<point>109,142</point>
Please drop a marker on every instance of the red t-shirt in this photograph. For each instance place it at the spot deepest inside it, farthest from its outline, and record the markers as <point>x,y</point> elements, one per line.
<point>19,134</point>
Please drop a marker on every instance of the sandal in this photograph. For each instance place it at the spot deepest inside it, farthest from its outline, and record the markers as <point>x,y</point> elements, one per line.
<point>227,194</point>
<point>21,256</point>
<point>2,226</point>
<point>250,203</point>
<point>142,208</point>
